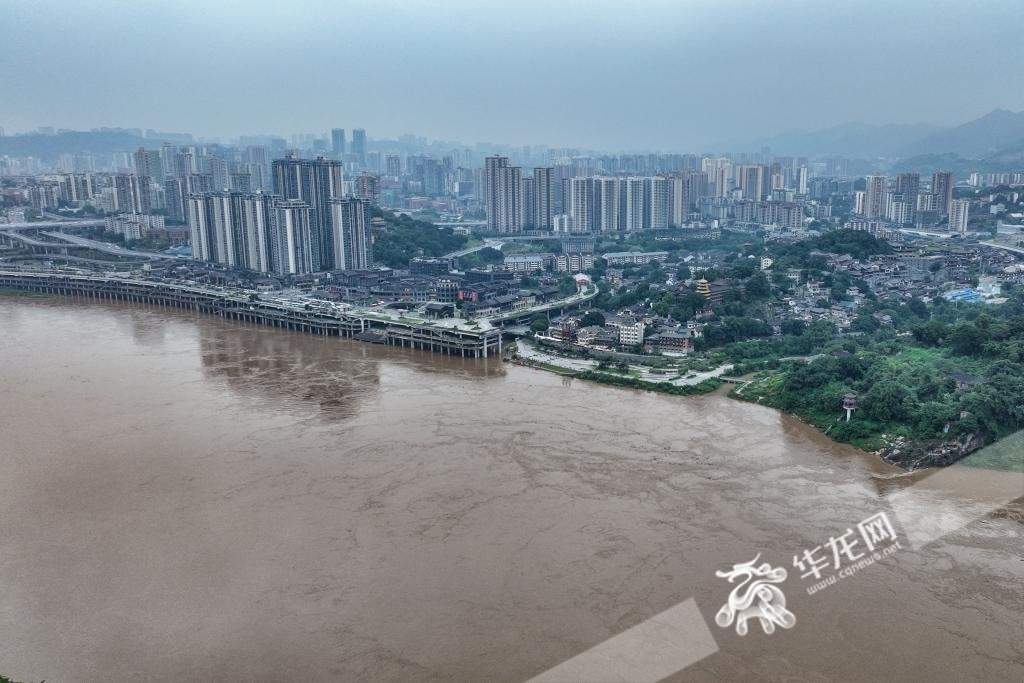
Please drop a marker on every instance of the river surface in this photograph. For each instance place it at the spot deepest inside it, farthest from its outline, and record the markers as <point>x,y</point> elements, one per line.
<point>185,498</point>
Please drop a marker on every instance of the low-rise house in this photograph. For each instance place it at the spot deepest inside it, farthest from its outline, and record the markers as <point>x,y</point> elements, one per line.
<point>565,329</point>
<point>634,257</point>
<point>630,331</point>
<point>668,341</point>
<point>597,337</point>
<point>528,263</point>
<point>574,263</point>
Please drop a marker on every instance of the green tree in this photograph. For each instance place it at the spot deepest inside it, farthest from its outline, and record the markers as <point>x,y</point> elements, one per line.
<point>918,307</point>
<point>865,322</point>
<point>886,401</point>
<point>567,286</point>
<point>931,333</point>
<point>757,286</point>
<point>793,326</point>
<point>966,338</point>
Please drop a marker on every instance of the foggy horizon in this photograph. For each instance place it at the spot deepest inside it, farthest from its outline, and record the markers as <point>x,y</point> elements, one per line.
<point>600,77</point>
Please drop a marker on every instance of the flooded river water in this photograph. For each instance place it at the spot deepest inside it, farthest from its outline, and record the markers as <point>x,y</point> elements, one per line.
<point>185,498</point>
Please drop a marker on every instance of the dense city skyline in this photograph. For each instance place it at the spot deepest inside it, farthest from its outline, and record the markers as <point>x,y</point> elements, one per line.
<point>670,77</point>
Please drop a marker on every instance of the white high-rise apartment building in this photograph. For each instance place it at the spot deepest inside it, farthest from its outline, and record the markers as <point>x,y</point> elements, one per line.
<point>579,197</point>
<point>958,210</point>
<point>503,195</point>
<point>858,202</point>
<point>258,231</point>
<point>226,212</point>
<point>719,172</point>
<point>292,237</point>
<point>899,210</point>
<point>678,202</point>
<point>544,197</point>
<point>874,196</point>
<point>753,180</point>
<point>561,223</point>
<point>258,213</point>
<point>658,196</point>
<point>633,208</point>
<point>316,182</point>
<point>685,190</point>
<point>606,204</point>
<point>197,211</point>
<point>942,188</point>
<point>217,167</point>
<point>926,202</point>
<point>352,233</point>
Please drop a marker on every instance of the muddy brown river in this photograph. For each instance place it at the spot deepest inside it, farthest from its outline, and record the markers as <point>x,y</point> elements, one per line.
<point>185,499</point>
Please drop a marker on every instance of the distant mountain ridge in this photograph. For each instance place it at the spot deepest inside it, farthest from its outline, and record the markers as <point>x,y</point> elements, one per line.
<point>977,139</point>
<point>858,140</point>
<point>993,135</point>
<point>47,147</point>
<point>995,141</point>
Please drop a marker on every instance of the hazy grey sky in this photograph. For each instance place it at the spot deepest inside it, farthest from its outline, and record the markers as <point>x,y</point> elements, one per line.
<point>609,75</point>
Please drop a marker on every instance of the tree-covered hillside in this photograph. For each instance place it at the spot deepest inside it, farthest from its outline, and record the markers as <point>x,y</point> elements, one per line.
<point>943,380</point>
<point>405,238</point>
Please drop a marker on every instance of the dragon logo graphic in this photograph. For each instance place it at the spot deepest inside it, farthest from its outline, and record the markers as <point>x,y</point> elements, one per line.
<point>755,586</point>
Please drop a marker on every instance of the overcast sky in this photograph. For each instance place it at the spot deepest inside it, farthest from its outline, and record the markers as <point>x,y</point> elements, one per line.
<point>610,75</point>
